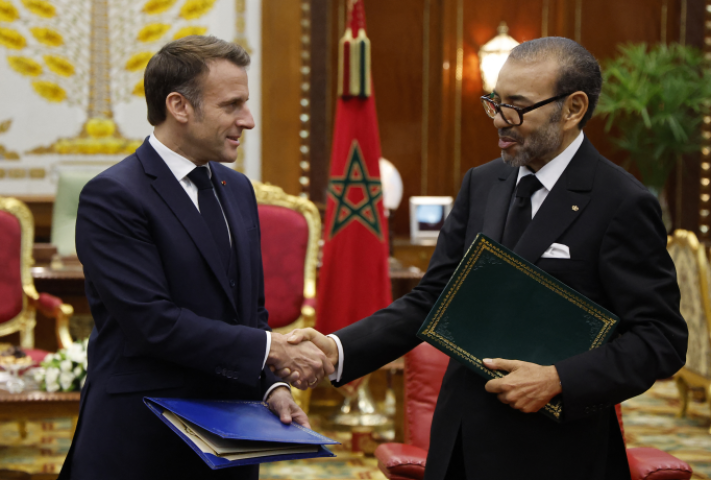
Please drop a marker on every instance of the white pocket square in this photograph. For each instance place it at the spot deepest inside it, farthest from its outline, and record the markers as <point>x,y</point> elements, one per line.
<point>557,250</point>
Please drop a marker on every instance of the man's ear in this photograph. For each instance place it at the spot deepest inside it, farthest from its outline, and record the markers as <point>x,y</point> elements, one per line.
<point>574,109</point>
<point>178,107</point>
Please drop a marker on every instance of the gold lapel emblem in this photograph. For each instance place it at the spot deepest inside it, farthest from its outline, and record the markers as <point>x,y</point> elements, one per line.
<point>575,208</point>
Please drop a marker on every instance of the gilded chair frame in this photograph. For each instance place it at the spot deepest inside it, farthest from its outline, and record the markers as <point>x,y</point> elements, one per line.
<point>25,321</point>
<point>685,378</point>
<point>272,195</point>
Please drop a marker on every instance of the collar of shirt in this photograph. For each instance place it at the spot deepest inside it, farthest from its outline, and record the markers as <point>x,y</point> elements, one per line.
<point>178,164</point>
<point>549,174</point>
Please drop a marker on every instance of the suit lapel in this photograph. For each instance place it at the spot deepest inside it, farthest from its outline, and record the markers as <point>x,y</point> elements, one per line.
<point>166,185</point>
<point>238,229</point>
<point>497,205</point>
<point>563,205</point>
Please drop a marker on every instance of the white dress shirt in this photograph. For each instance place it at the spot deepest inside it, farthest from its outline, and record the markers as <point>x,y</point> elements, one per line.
<point>548,175</point>
<point>181,167</point>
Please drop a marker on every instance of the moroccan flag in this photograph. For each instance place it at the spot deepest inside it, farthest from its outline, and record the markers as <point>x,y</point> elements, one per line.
<point>354,280</point>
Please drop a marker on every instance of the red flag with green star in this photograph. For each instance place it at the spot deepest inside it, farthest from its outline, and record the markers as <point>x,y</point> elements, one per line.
<point>354,280</point>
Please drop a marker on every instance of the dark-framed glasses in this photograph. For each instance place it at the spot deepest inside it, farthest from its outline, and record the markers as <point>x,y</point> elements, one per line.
<point>512,114</point>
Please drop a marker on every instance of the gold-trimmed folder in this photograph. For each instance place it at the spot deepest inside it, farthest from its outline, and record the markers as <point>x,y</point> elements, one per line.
<point>498,305</point>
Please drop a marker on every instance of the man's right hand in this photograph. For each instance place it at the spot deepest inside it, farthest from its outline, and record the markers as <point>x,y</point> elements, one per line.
<point>301,363</point>
<point>308,335</point>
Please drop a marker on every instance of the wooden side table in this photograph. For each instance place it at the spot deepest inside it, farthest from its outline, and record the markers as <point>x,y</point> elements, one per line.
<point>21,407</point>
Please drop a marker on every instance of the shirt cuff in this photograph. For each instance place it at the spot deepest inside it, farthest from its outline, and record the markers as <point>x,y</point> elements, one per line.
<point>336,376</point>
<point>277,384</point>
<point>269,346</point>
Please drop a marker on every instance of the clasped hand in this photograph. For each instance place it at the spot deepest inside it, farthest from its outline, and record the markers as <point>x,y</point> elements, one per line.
<point>528,387</point>
<point>303,357</point>
<point>298,361</point>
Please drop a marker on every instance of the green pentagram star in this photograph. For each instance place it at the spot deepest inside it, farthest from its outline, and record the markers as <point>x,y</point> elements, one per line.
<point>364,211</point>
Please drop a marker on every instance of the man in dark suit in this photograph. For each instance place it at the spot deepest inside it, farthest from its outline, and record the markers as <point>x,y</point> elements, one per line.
<point>559,204</point>
<point>170,243</point>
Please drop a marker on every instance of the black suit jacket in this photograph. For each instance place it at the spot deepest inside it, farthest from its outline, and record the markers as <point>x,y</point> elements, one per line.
<point>618,259</point>
<point>170,319</point>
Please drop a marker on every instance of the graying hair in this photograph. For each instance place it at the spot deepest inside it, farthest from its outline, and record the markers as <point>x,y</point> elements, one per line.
<point>579,71</point>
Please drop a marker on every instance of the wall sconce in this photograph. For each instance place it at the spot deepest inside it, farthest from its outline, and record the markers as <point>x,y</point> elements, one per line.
<point>492,56</point>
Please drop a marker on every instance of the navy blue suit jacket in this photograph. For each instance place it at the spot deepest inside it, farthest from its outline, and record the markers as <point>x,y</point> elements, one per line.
<point>170,320</point>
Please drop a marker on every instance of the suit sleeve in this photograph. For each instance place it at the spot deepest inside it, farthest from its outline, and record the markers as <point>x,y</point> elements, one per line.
<point>124,266</point>
<point>391,332</point>
<point>639,278</point>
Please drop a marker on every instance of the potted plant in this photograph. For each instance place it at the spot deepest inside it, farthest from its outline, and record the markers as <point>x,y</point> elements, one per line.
<point>656,99</point>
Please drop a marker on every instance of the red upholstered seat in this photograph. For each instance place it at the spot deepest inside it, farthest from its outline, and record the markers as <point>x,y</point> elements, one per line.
<point>10,278</point>
<point>18,298</point>
<point>285,236</point>
<point>424,370</point>
<point>290,228</point>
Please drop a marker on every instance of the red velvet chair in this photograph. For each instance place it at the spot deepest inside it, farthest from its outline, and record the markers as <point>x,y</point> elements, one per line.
<point>424,369</point>
<point>19,300</point>
<point>291,229</point>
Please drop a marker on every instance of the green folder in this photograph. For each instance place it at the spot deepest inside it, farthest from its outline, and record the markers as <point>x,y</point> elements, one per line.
<point>498,305</point>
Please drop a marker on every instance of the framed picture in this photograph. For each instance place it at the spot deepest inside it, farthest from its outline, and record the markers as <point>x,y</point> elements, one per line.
<point>427,215</point>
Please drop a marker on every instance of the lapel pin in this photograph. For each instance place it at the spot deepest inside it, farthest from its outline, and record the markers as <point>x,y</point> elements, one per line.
<point>224,183</point>
<point>575,207</point>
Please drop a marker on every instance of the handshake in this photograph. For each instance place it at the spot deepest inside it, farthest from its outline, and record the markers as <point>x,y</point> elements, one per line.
<point>302,357</point>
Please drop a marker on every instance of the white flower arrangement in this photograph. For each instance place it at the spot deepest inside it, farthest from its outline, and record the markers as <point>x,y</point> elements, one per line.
<point>65,370</point>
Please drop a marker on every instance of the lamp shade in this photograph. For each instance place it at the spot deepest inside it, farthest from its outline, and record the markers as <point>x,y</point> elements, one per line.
<point>493,55</point>
<point>392,184</point>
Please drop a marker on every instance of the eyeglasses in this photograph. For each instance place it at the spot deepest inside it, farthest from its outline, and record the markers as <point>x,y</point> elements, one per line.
<point>511,114</point>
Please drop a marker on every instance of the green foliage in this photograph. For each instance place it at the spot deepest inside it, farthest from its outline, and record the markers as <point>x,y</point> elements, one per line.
<point>656,98</point>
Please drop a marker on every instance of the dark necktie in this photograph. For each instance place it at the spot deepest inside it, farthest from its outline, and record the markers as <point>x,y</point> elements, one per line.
<point>520,213</point>
<point>211,211</point>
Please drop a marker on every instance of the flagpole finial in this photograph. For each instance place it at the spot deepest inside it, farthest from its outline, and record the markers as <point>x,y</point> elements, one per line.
<point>354,55</point>
<point>356,15</point>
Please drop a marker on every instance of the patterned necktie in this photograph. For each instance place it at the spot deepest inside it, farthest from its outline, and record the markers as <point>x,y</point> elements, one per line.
<point>520,213</point>
<point>211,211</point>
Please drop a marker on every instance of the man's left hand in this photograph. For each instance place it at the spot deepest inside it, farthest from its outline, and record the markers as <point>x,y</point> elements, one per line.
<point>282,404</point>
<point>528,387</point>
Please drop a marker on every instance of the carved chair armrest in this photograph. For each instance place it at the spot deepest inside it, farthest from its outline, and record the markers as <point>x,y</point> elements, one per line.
<point>53,307</point>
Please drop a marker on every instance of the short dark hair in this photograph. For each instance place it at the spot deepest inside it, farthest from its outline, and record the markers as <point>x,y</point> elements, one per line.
<point>179,67</point>
<point>579,71</point>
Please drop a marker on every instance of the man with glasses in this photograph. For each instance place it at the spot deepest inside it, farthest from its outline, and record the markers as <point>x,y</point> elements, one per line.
<point>555,201</point>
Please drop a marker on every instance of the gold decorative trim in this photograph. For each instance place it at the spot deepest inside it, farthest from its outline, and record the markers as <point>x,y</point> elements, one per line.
<point>304,100</point>
<point>6,154</point>
<point>685,377</point>
<point>456,177</point>
<point>685,238</point>
<point>425,97</point>
<point>272,195</point>
<point>705,171</point>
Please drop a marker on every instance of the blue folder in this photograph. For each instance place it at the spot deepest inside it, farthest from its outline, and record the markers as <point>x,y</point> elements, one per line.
<point>239,420</point>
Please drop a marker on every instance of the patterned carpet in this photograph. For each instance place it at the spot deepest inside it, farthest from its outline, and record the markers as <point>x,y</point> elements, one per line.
<point>649,421</point>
